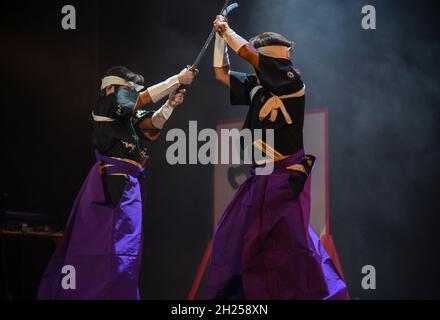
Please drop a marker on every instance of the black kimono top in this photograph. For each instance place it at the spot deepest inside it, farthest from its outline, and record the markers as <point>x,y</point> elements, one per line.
<point>276,76</point>
<point>121,137</point>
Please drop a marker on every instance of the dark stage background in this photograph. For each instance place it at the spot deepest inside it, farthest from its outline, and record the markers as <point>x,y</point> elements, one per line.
<point>380,87</point>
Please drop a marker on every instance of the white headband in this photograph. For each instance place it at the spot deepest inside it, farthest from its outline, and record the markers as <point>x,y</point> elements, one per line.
<point>279,52</point>
<point>112,80</point>
<point>115,80</point>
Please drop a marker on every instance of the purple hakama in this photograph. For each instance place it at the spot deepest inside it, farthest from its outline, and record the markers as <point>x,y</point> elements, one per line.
<point>102,242</point>
<point>264,248</point>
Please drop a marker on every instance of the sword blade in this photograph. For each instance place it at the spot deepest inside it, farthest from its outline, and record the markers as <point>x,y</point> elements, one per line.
<point>204,48</point>
<point>224,11</point>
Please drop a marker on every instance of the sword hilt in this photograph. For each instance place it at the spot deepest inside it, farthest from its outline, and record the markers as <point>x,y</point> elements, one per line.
<point>192,68</point>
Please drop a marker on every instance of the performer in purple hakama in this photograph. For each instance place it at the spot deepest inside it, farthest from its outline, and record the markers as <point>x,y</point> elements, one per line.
<point>100,254</point>
<point>263,246</point>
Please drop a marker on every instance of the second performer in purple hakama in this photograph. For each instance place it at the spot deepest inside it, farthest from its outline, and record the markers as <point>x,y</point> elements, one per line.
<point>263,246</point>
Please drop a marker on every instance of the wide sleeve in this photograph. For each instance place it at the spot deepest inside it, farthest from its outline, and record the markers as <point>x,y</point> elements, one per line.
<point>241,85</point>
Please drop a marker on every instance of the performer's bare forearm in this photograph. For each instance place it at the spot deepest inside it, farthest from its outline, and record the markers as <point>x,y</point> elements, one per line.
<point>250,54</point>
<point>146,124</point>
<point>241,46</point>
<point>148,129</point>
<point>156,92</point>
<point>151,127</point>
<point>144,99</point>
<point>222,75</point>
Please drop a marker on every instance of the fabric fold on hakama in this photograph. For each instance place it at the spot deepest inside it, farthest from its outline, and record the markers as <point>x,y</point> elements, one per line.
<point>264,248</point>
<point>102,242</point>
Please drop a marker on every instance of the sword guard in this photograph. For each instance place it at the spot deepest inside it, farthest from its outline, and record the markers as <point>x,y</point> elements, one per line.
<point>193,68</point>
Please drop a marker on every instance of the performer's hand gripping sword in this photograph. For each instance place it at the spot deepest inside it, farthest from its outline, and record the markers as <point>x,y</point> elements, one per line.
<point>226,9</point>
